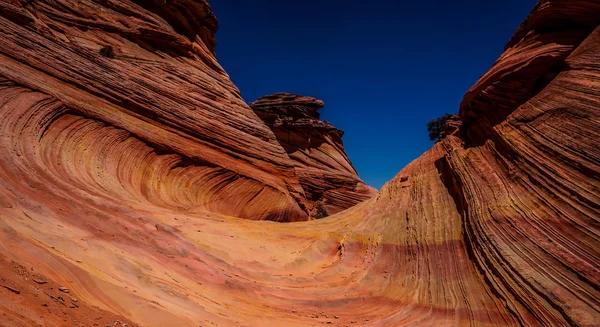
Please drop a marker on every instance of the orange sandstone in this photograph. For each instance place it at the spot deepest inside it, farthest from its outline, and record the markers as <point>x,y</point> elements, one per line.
<point>132,174</point>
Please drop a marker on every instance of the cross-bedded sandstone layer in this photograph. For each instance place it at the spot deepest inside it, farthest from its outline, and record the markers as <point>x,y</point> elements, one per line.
<point>132,91</point>
<point>329,180</point>
<point>124,172</point>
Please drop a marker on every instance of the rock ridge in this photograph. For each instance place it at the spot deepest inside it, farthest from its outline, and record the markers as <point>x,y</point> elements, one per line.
<point>329,180</point>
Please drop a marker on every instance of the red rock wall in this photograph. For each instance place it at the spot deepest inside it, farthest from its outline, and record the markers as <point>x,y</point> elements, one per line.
<point>496,225</point>
<point>159,119</point>
<point>528,186</point>
<point>326,174</point>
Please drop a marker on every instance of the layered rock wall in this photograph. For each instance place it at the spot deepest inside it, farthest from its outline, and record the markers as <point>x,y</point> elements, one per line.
<point>139,79</point>
<point>123,177</point>
<point>326,174</point>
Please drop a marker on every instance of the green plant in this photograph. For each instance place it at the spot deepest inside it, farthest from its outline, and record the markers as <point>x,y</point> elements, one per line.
<point>435,126</point>
<point>320,211</point>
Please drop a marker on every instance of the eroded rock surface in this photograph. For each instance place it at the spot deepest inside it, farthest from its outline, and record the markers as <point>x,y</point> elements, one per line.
<point>326,174</point>
<point>123,177</point>
<point>128,99</point>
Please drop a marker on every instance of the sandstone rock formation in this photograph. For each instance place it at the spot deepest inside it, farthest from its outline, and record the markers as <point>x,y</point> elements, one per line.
<point>168,127</point>
<point>123,176</point>
<point>316,149</point>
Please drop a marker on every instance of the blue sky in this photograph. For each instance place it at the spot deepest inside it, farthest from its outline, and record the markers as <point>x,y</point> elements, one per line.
<point>382,67</point>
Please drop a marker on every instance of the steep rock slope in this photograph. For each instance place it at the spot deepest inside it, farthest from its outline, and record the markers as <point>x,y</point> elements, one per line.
<point>132,100</point>
<point>496,225</point>
<point>524,170</point>
<point>326,174</point>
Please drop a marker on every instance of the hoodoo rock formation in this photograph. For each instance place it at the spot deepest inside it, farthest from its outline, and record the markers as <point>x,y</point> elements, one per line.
<point>326,175</point>
<point>132,174</point>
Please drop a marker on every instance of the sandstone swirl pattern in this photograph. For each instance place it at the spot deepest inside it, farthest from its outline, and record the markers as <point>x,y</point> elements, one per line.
<point>178,131</point>
<point>124,175</point>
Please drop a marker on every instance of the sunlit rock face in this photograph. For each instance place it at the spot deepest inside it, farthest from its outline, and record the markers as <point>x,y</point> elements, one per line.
<point>126,99</point>
<point>329,180</point>
<point>129,158</point>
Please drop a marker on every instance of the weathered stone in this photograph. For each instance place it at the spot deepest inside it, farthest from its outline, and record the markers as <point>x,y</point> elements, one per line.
<point>330,182</point>
<point>495,225</point>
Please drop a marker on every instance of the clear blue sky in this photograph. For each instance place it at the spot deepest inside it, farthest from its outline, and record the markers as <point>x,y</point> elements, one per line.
<point>383,67</point>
